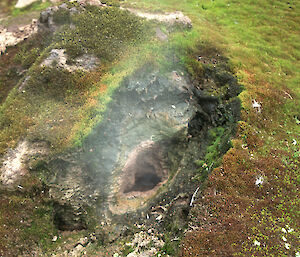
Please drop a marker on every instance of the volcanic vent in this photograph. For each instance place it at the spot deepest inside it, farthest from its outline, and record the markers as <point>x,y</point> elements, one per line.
<point>143,171</point>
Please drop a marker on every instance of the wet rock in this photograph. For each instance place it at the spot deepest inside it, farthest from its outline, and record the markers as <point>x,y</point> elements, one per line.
<point>143,170</point>
<point>154,126</point>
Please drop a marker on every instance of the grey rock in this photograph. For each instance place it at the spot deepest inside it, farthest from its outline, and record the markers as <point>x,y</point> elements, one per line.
<point>160,35</point>
<point>63,6</point>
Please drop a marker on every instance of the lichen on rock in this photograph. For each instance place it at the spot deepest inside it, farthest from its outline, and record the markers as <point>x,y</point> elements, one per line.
<point>59,59</point>
<point>15,162</point>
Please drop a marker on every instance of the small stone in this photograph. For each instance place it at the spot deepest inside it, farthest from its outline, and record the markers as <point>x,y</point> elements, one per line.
<point>24,3</point>
<point>54,239</point>
<point>159,217</point>
<point>93,238</point>
<point>256,105</point>
<point>256,243</point>
<point>259,181</point>
<point>79,248</point>
<point>63,6</point>
<point>73,10</point>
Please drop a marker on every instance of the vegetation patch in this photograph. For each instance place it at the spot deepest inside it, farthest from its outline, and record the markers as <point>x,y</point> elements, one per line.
<point>259,38</point>
<point>249,205</point>
<point>105,32</point>
<point>35,6</point>
<point>25,219</point>
<point>56,105</point>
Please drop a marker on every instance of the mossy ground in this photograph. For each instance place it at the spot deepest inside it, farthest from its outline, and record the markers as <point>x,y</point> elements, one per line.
<point>59,106</point>
<point>26,219</point>
<point>261,40</point>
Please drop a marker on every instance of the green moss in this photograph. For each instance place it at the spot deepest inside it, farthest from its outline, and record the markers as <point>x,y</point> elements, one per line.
<point>27,58</point>
<point>30,50</point>
<point>115,3</point>
<point>105,32</point>
<point>171,247</point>
<point>127,250</point>
<point>28,212</point>
<point>220,143</point>
<point>62,16</point>
<point>41,229</point>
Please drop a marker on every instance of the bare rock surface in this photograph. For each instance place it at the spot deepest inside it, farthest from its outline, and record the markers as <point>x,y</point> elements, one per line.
<point>14,164</point>
<point>12,38</point>
<point>24,3</point>
<point>145,244</point>
<point>59,58</point>
<point>171,18</point>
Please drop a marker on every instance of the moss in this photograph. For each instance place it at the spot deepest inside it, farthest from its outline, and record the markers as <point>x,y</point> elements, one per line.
<point>41,229</point>
<point>127,250</point>
<point>115,3</point>
<point>170,247</point>
<point>62,16</point>
<point>9,74</point>
<point>29,51</point>
<point>260,38</point>
<point>28,212</point>
<point>219,139</point>
<point>27,58</point>
<point>105,32</point>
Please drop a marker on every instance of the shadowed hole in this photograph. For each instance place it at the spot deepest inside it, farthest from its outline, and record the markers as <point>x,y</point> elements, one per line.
<point>144,170</point>
<point>145,179</point>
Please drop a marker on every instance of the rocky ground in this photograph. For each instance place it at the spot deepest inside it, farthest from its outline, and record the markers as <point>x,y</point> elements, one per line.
<point>105,153</point>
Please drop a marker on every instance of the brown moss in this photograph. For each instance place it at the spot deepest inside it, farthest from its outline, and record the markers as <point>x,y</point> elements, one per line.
<point>9,73</point>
